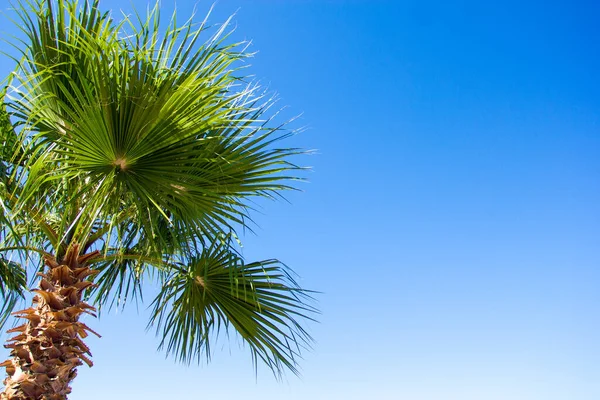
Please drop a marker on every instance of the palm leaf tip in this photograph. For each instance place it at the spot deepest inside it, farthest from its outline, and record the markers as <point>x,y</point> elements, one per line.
<point>259,300</point>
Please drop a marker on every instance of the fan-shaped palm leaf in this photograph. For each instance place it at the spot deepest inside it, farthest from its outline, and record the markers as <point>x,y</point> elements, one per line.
<point>215,289</point>
<point>155,124</point>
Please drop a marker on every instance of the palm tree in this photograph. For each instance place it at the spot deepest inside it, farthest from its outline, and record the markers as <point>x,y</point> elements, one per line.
<point>129,154</point>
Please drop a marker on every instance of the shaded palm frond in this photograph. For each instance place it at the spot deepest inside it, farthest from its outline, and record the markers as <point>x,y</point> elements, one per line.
<point>13,285</point>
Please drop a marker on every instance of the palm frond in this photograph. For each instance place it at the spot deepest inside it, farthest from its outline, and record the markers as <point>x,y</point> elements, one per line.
<point>13,285</point>
<point>217,289</point>
<point>13,276</point>
<point>157,122</point>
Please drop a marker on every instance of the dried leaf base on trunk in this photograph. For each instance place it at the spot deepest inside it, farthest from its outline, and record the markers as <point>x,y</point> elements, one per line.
<point>48,347</point>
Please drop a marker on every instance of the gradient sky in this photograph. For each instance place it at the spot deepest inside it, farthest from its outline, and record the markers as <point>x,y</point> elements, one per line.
<point>452,219</point>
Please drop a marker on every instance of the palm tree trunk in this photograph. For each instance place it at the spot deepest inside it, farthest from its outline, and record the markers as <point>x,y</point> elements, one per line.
<point>48,347</point>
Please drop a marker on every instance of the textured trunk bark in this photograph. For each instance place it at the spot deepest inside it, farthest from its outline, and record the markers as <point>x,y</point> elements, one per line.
<point>48,347</point>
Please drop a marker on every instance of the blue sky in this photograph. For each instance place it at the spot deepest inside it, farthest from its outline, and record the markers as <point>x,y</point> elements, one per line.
<point>452,219</point>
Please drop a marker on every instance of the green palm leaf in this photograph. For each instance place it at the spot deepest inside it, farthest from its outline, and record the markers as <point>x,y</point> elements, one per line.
<point>13,284</point>
<point>13,277</point>
<point>217,289</point>
<point>155,124</point>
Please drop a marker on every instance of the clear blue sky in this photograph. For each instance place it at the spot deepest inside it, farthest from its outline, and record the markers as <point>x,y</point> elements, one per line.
<point>452,220</point>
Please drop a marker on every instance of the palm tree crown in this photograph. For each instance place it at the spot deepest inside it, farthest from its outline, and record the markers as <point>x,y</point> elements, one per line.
<point>144,150</point>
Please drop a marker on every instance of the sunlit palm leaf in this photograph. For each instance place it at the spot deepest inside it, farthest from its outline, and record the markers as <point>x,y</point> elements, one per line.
<point>217,289</point>
<point>157,124</point>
